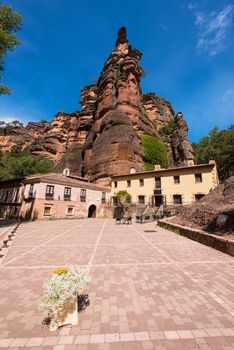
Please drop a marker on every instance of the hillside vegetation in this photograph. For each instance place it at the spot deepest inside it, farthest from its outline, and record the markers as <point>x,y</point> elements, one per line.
<point>219,145</point>
<point>18,163</point>
<point>154,152</point>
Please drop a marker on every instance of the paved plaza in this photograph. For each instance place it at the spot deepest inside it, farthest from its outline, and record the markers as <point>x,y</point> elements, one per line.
<point>149,289</point>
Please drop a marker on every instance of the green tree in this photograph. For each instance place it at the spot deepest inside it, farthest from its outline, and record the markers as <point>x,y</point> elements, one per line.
<point>123,197</point>
<point>219,145</point>
<point>18,163</point>
<point>10,22</point>
<point>154,152</point>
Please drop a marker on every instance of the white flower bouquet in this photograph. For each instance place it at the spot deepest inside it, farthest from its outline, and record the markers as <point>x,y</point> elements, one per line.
<point>64,285</point>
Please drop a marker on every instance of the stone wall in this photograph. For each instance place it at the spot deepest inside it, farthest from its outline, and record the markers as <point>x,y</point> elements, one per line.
<point>218,243</point>
<point>34,209</point>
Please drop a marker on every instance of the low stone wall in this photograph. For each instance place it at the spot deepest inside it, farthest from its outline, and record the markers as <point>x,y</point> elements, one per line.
<point>219,243</point>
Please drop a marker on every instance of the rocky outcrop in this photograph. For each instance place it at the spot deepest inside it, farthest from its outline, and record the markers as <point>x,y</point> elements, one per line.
<point>158,110</point>
<point>180,144</point>
<point>104,138</point>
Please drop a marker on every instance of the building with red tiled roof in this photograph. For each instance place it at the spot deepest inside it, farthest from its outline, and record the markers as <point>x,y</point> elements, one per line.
<point>52,195</point>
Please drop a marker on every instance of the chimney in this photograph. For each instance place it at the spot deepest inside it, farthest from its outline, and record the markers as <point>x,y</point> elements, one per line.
<point>157,167</point>
<point>190,162</point>
<point>66,172</point>
<point>132,170</point>
<point>212,161</point>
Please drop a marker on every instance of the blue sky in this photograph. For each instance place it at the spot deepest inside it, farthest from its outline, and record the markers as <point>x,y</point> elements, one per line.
<point>187,46</point>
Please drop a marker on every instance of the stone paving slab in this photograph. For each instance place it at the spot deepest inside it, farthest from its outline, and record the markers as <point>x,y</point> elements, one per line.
<point>50,256</point>
<point>148,290</point>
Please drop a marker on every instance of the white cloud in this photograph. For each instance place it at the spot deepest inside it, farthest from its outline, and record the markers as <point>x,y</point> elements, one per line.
<point>7,119</point>
<point>213,29</point>
<point>226,97</point>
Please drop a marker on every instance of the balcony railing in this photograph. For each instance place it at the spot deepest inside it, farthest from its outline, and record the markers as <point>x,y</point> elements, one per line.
<point>157,191</point>
<point>67,197</point>
<point>49,195</point>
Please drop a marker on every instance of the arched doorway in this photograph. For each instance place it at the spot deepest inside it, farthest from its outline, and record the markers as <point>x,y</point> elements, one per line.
<point>92,211</point>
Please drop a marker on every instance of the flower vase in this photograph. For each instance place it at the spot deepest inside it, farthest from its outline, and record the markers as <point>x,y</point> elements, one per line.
<point>68,315</point>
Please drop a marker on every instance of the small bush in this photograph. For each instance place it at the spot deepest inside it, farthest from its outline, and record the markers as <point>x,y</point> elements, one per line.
<point>18,163</point>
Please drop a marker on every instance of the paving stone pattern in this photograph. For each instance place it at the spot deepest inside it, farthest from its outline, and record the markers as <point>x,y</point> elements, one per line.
<point>148,290</point>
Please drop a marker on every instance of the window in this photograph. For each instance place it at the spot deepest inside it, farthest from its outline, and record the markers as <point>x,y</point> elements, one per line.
<point>47,210</point>
<point>141,199</point>
<point>30,192</point>
<point>83,195</point>
<point>67,193</point>
<point>176,179</point>
<point>103,197</point>
<point>158,182</point>
<point>177,199</point>
<point>17,195</point>
<point>141,181</point>
<point>116,184</point>
<point>115,201</point>
<point>128,200</point>
<point>70,210</point>
<point>198,178</point>
<point>49,191</point>
<point>198,196</point>
<point>129,183</point>
<point>6,196</point>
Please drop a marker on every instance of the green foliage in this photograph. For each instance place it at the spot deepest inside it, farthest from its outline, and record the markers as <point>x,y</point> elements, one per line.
<point>169,128</point>
<point>10,22</point>
<point>123,197</point>
<point>154,152</point>
<point>18,163</point>
<point>219,145</point>
<point>119,74</point>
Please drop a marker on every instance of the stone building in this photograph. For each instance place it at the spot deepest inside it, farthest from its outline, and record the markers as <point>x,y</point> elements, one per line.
<point>173,186</point>
<point>11,198</point>
<point>58,196</point>
<point>50,196</point>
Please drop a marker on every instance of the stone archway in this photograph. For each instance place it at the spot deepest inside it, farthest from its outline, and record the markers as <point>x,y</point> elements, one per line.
<point>92,211</point>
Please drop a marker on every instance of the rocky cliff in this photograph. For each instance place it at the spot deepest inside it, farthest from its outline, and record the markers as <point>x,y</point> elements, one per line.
<point>104,138</point>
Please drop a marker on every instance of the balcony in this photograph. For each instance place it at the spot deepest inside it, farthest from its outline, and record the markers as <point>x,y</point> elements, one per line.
<point>49,196</point>
<point>157,191</point>
<point>67,197</point>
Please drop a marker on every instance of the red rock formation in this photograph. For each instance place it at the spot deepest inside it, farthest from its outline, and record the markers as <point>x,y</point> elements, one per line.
<point>104,138</point>
<point>158,110</point>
